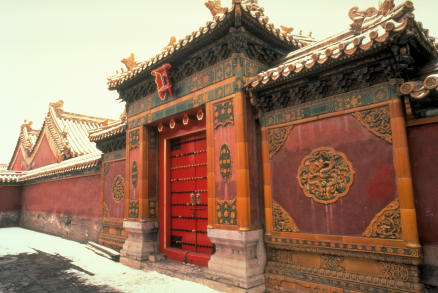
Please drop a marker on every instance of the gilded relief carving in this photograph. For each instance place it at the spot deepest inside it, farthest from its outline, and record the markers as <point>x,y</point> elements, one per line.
<point>133,209</point>
<point>225,162</point>
<point>332,263</point>
<point>276,138</point>
<point>377,121</point>
<point>134,173</point>
<point>118,188</point>
<point>395,271</point>
<point>281,220</point>
<point>226,212</point>
<point>134,138</point>
<point>386,224</point>
<point>223,113</point>
<point>325,175</point>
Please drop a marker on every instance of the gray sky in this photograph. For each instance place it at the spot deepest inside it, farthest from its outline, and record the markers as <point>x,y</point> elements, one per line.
<point>52,49</point>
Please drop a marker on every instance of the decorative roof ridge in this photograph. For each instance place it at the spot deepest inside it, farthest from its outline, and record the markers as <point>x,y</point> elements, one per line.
<point>82,162</point>
<point>347,43</point>
<point>109,130</point>
<point>220,14</point>
<point>8,176</point>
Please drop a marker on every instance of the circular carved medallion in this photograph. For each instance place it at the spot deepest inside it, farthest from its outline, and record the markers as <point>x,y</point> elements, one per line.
<point>325,175</point>
<point>225,162</point>
<point>118,188</point>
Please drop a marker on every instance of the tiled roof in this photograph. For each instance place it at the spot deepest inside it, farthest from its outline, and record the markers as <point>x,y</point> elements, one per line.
<point>109,129</point>
<point>419,89</point>
<point>74,164</point>
<point>10,176</point>
<point>366,33</point>
<point>247,7</point>
<point>69,131</point>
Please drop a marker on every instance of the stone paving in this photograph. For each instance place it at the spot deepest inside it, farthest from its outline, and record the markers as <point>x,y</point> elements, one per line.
<point>43,272</point>
<point>36,262</point>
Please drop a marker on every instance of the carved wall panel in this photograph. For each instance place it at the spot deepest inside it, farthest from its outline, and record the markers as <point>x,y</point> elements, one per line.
<point>276,138</point>
<point>325,175</point>
<point>225,162</point>
<point>223,113</point>
<point>118,188</point>
<point>386,224</point>
<point>282,221</point>
<point>226,212</point>
<point>376,120</point>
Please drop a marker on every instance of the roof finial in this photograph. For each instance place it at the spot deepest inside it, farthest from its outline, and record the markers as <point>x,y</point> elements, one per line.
<point>215,7</point>
<point>129,62</point>
<point>287,30</point>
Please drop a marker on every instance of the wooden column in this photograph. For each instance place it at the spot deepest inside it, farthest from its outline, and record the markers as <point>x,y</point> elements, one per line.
<point>211,185</point>
<point>267,181</point>
<point>403,173</point>
<point>242,165</point>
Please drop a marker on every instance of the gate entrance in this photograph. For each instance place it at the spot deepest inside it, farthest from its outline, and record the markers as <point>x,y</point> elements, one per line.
<point>186,196</point>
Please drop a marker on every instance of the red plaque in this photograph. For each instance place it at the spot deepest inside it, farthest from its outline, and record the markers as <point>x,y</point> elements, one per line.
<point>162,81</point>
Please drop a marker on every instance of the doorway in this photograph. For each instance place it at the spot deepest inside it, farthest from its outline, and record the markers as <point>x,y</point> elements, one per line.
<point>183,224</point>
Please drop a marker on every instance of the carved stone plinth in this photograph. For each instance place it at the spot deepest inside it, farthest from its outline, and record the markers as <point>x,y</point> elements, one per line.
<point>141,243</point>
<point>239,260</point>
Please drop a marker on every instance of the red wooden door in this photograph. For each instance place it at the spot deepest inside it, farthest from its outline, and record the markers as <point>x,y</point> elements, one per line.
<point>188,194</point>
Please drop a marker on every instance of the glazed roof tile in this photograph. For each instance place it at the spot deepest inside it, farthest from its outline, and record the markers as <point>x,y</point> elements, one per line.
<point>250,7</point>
<point>10,176</point>
<point>83,162</point>
<point>372,32</point>
<point>420,89</point>
<point>108,130</point>
<point>74,164</point>
<point>69,131</point>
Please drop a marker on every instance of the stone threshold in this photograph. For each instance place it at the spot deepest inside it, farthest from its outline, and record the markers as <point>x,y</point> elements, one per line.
<point>190,272</point>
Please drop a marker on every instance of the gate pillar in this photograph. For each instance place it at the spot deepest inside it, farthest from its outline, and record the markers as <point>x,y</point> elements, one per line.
<point>235,195</point>
<point>140,206</point>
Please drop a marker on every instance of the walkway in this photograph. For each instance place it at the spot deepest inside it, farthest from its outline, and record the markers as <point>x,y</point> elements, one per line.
<point>36,262</point>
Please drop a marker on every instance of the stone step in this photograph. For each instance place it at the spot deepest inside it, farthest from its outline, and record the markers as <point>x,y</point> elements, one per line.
<point>104,251</point>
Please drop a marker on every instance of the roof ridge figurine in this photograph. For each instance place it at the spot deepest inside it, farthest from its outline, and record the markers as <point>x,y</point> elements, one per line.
<point>215,7</point>
<point>129,62</point>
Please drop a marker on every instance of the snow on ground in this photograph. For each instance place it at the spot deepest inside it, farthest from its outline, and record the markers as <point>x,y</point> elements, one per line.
<point>106,272</point>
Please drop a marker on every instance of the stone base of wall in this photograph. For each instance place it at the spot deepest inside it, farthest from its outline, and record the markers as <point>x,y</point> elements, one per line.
<point>141,244</point>
<point>113,235</point>
<point>9,219</point>
<point>306,268</point>
<point>77,228</point>
<point>239,259</point>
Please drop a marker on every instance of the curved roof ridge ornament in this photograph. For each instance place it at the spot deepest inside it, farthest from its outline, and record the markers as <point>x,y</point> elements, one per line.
<point>359,17</point>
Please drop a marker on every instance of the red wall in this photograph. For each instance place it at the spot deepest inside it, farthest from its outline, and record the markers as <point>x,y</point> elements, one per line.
<point>44,155</point>
<point>77,196</point>
<point>423,149</point>
<point>19,164</point>
<point>112,169</point>
<point>10,198</point>
<point>373,185</point>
